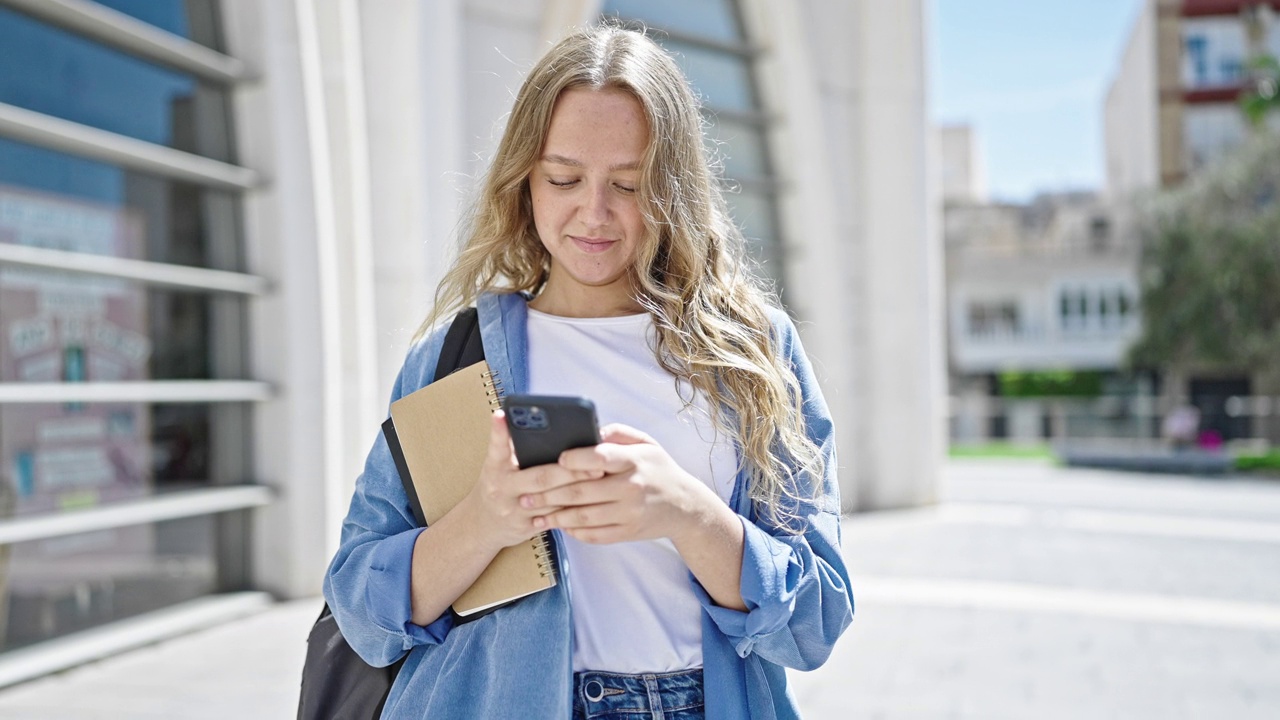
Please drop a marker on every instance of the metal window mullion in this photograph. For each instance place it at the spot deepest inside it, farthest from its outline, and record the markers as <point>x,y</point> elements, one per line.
<point>122,32</point>
<point>174,506</point>
<point>150,273</point>
<point>139,391</point>
<point>69,137</point>
<point>742,50</point>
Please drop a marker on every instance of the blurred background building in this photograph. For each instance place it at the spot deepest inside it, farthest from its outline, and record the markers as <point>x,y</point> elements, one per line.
<point>1044,296</point>
<point>221,221</point>
<point>1173,112</point>
<point>1173,107</point>
<point>1037,290</point>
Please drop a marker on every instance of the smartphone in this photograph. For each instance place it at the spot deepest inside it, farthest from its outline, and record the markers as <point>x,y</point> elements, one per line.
<point>543,426</point>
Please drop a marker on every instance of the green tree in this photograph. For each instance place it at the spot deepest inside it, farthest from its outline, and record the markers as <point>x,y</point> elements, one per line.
<point>1211,266</point>
<point>1264,95</point>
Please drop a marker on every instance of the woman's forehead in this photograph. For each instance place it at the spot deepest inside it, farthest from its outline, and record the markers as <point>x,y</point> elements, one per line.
<point>595,127</point>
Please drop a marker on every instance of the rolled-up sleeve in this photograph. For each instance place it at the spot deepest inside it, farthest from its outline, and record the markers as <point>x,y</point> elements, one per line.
<point>368,583</point>
<point>795,585</point>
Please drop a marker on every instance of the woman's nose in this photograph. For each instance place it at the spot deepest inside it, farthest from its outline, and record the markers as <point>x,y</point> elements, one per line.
<point>595,207</point>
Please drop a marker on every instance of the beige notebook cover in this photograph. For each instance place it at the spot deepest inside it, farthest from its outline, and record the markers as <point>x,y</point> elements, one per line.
<point>443,431</point>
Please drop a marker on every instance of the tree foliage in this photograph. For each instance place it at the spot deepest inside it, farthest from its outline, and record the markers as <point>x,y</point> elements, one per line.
<point>1211,266</point>
<point>1050,383</point>
<point>1264,97</point>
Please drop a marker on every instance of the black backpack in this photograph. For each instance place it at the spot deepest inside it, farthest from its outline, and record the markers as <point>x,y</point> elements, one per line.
<point>336,683</point>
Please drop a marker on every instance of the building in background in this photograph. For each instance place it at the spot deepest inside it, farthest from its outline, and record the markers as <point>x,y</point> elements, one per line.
<point>222,221</point>
<point>1173,106</point>
<point>964,175</point>
<point>1045,289</point>
<point>1172,110</point>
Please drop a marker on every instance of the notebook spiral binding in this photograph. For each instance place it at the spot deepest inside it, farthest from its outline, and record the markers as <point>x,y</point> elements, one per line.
<point>541,544</point>
<point>493,388</point>
<point>542,548</point>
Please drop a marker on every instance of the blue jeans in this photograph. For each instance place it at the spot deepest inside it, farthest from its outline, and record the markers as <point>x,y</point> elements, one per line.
<point>658,696</point>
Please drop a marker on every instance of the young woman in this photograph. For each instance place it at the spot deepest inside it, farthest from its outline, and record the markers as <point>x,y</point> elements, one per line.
<point>700,542</point>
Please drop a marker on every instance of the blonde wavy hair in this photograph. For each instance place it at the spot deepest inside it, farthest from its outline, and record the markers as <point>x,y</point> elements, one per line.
<point>691,272</point>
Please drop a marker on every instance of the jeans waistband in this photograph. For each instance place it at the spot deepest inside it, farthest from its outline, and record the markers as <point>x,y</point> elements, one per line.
<point>664,696</point>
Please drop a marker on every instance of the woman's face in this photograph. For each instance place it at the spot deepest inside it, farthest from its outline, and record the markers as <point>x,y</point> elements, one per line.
<point>585,202</point>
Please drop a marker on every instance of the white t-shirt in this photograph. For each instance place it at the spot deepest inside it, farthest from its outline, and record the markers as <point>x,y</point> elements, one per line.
<point>634,610</point>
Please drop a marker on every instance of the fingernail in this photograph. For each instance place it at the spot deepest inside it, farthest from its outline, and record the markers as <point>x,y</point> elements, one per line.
<point>526,501</point>
<point>539,523</point>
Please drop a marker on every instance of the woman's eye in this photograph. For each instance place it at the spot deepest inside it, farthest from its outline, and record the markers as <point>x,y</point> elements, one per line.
<point>562,183</point>
<point>625,188</point>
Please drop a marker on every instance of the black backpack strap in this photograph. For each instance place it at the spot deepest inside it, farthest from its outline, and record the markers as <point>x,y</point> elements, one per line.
<point>336,683</point>
<point>462,346</point>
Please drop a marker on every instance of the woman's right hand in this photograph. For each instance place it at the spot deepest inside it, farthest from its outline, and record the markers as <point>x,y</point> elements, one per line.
<point>495,498</point>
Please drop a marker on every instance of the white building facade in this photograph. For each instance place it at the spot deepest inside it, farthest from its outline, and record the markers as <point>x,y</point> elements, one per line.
<point>221,222</point>
<point>1050,286</point>
<point>1173,107</point>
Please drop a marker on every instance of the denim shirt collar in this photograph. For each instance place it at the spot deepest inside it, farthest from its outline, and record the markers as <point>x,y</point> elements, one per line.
<point>503,320</point>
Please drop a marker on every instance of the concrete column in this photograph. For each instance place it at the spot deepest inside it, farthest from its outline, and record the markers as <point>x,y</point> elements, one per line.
<point>812,142</point>
<point>900,343</point>
<point>846,83</point>
<point>283,221</point>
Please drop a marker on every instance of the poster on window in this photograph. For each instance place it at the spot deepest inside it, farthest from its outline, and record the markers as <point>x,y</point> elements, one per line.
<point>58,327</point>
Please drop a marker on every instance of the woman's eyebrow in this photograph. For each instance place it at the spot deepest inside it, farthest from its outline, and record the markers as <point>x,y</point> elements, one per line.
<point>570,162</point>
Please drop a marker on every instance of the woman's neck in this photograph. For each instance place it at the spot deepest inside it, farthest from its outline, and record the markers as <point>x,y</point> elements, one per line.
<point>585,302</point>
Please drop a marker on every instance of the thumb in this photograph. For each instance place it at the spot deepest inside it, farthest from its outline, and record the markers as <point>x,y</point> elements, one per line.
<point>620,434</point>
<point>499,440</point>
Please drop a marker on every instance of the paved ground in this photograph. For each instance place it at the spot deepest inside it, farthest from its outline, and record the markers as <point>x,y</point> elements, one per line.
<point>1039,592</point>
<point>1029,592</point>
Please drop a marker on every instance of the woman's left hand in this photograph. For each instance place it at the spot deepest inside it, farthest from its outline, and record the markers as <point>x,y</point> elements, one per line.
<point>643,495</point>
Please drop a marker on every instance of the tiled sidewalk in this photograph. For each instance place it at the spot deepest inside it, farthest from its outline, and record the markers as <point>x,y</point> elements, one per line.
<point>1031,592</point>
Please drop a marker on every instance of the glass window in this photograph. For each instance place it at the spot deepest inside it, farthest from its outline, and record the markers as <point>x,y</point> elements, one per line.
<point>723,79</point>
<point>740,146</point>
<point>65,456</point>
<point>711,19</point>
<point>69,328</point>
<point>53,200</point>
<point>195,20</point>
<point>1073,309</point>
<point>1198,61</point>
<point>754,212</point>
<point>1214,49</point>
<point>1210,132</point>
<point>54,72</point>
<point>50,588</point>
<point>64,327</point>
<point>994,318</point>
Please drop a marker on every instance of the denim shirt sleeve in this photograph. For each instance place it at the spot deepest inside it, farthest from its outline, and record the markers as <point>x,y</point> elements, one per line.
<point>367,585</point>
<point>795,586</point>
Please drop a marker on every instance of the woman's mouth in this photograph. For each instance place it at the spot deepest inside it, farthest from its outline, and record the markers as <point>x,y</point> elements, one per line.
<point>592,244</point>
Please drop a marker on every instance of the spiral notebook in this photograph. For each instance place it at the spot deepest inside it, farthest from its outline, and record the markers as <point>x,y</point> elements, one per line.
<point>439,436</point>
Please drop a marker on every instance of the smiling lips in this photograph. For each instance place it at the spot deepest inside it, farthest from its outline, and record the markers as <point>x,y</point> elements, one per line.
<point>591,244</point>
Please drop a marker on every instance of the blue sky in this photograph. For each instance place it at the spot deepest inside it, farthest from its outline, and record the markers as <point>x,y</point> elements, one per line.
<point>1031,76</point>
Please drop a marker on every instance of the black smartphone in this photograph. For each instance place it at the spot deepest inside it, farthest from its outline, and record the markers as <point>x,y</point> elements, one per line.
<point>543,426</point>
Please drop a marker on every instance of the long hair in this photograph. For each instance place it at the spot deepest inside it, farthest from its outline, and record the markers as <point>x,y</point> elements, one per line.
<point>690,274</point>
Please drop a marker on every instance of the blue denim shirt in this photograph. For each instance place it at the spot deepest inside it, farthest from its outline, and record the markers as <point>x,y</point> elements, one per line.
<point>515,662</point>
